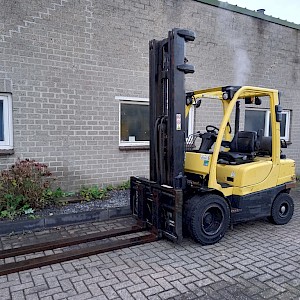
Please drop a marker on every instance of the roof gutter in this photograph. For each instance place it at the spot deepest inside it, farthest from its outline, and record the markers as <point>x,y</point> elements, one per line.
<point>251,13</point>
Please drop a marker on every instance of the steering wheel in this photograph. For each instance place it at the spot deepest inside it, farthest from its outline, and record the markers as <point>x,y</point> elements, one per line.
<point>212,129</point>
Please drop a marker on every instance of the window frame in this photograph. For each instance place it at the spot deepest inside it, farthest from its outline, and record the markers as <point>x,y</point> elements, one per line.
<point>191,121</point>
<point>7,144</point>
<point>145,101</point>
<point>267,111</point>
<point>131,100</point>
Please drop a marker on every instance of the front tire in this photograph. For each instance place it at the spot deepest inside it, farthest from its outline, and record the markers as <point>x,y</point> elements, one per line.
<point>282,209</point>
<point>209,219</point>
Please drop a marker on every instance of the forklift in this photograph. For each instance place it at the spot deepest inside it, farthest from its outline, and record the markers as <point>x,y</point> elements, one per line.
<point>225,173</point>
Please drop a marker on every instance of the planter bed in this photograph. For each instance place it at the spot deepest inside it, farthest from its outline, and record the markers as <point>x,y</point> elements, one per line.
<point>116,205</point>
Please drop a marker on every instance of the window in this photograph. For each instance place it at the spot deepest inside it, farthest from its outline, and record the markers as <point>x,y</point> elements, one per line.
<point>6,124</point>
<point>189,123</point>
<point>134,121</point>
<point>256,119</point>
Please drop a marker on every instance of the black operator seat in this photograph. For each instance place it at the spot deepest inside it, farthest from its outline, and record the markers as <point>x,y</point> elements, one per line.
<point>264,144</point>
<point>242,148</point>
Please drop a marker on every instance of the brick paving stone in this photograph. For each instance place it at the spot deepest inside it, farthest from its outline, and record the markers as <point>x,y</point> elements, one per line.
<point>145,272</point>
<point>139,296</point>
<point>65,294</point>
<point>109,282</point>
<point>175,277</point>
<point>251,291</point>
<point>227,278</point>
<point>233,273</point>
<point>219,270</point>
<point>149,280</point>
<point>36,289</point>
<point>81,296</point>
<point>219,285</point>
<point>188,279</point>
<point>264,277</point>
<point>248,275</point>
<point>5,293</point>
<point>164,283</point>
<point>81,276</point>
<point>109,292</point>
<point>19,295</point>
<point>295,282</point>
<point>154,297</point>
<point>269,293</point>
<point>80,287</point>
<point>47,298</point>
<point>137,287</point>
<point>32,297</point>
<point>52,282</point>
<point>135,278</point>
<point>186,296</point>
<point>169,294</point>
<point>49,292</point>
<point>122,285</point>
<point>94,289</point>
<point>292,289</point>
<point>179,286</point>
<point>124,294</point>
<point>287,296</point>
<point>153,290</point>
<point>203,282</point>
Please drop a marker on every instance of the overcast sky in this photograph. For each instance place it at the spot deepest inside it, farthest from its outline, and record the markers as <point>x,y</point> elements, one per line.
<point>284,9</point>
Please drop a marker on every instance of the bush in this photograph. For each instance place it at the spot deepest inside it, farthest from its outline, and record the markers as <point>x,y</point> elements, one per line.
<point>94,192</point>
<point>23,187</point>
<point>124,185</point>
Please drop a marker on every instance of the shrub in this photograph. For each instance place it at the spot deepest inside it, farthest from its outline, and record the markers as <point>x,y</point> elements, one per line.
<point>23,187</point>
<point>93,192</point>
<point>124,185</point>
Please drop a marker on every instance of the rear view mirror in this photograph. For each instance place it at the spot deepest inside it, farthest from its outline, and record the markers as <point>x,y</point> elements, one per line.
<point>278,112</point>
<point>283,144</point>
<point>253,100</point>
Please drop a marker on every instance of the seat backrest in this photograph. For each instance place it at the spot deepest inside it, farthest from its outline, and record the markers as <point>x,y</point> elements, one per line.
<point>244,142</point>
<point>264,143</point>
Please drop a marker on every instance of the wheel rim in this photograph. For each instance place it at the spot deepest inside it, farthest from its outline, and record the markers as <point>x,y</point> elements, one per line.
<point>212,220</point>
<point>283,209</point>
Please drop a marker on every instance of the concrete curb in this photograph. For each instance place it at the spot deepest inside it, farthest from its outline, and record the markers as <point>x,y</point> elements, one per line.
<point>7,227</point>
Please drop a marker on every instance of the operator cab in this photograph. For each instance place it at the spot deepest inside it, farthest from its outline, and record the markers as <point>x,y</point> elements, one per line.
<point>240,130</point>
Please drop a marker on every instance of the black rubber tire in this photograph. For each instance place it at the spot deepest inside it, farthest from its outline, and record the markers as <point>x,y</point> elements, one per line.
<point>282,209</point>
<point>188,208</point>
<point>209,219</point>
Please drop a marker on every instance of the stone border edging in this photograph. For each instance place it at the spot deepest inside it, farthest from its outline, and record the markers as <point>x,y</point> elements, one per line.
<point>7,227</point>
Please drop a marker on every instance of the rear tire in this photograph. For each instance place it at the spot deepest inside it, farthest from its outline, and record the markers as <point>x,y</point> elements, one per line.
<point>209,219</point>
<point>282,209</point>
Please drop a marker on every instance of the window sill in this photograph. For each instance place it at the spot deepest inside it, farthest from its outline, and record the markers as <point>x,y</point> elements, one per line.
<point>4,152</point>
<point>137,147</point>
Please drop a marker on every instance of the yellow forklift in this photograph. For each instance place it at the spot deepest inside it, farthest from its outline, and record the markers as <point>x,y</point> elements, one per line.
<point>223,174</point>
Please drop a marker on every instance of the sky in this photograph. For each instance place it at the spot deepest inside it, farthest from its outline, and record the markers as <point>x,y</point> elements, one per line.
<point>284,9</point>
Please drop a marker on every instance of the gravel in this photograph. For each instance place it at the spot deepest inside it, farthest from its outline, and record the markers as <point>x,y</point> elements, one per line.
<point>117,198</point>
<point>114,199</point>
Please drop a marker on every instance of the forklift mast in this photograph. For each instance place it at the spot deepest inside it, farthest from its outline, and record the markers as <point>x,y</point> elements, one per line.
<point>167,107</point>
<point>158,203</point>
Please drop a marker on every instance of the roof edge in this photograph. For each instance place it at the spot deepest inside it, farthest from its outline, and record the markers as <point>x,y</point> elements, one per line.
<point>251,13</point>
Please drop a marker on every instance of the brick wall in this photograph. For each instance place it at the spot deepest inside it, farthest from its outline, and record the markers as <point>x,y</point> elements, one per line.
<point>65,61</point>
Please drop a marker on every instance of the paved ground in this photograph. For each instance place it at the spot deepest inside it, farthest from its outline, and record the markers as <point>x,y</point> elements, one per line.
<point>255,260</point>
